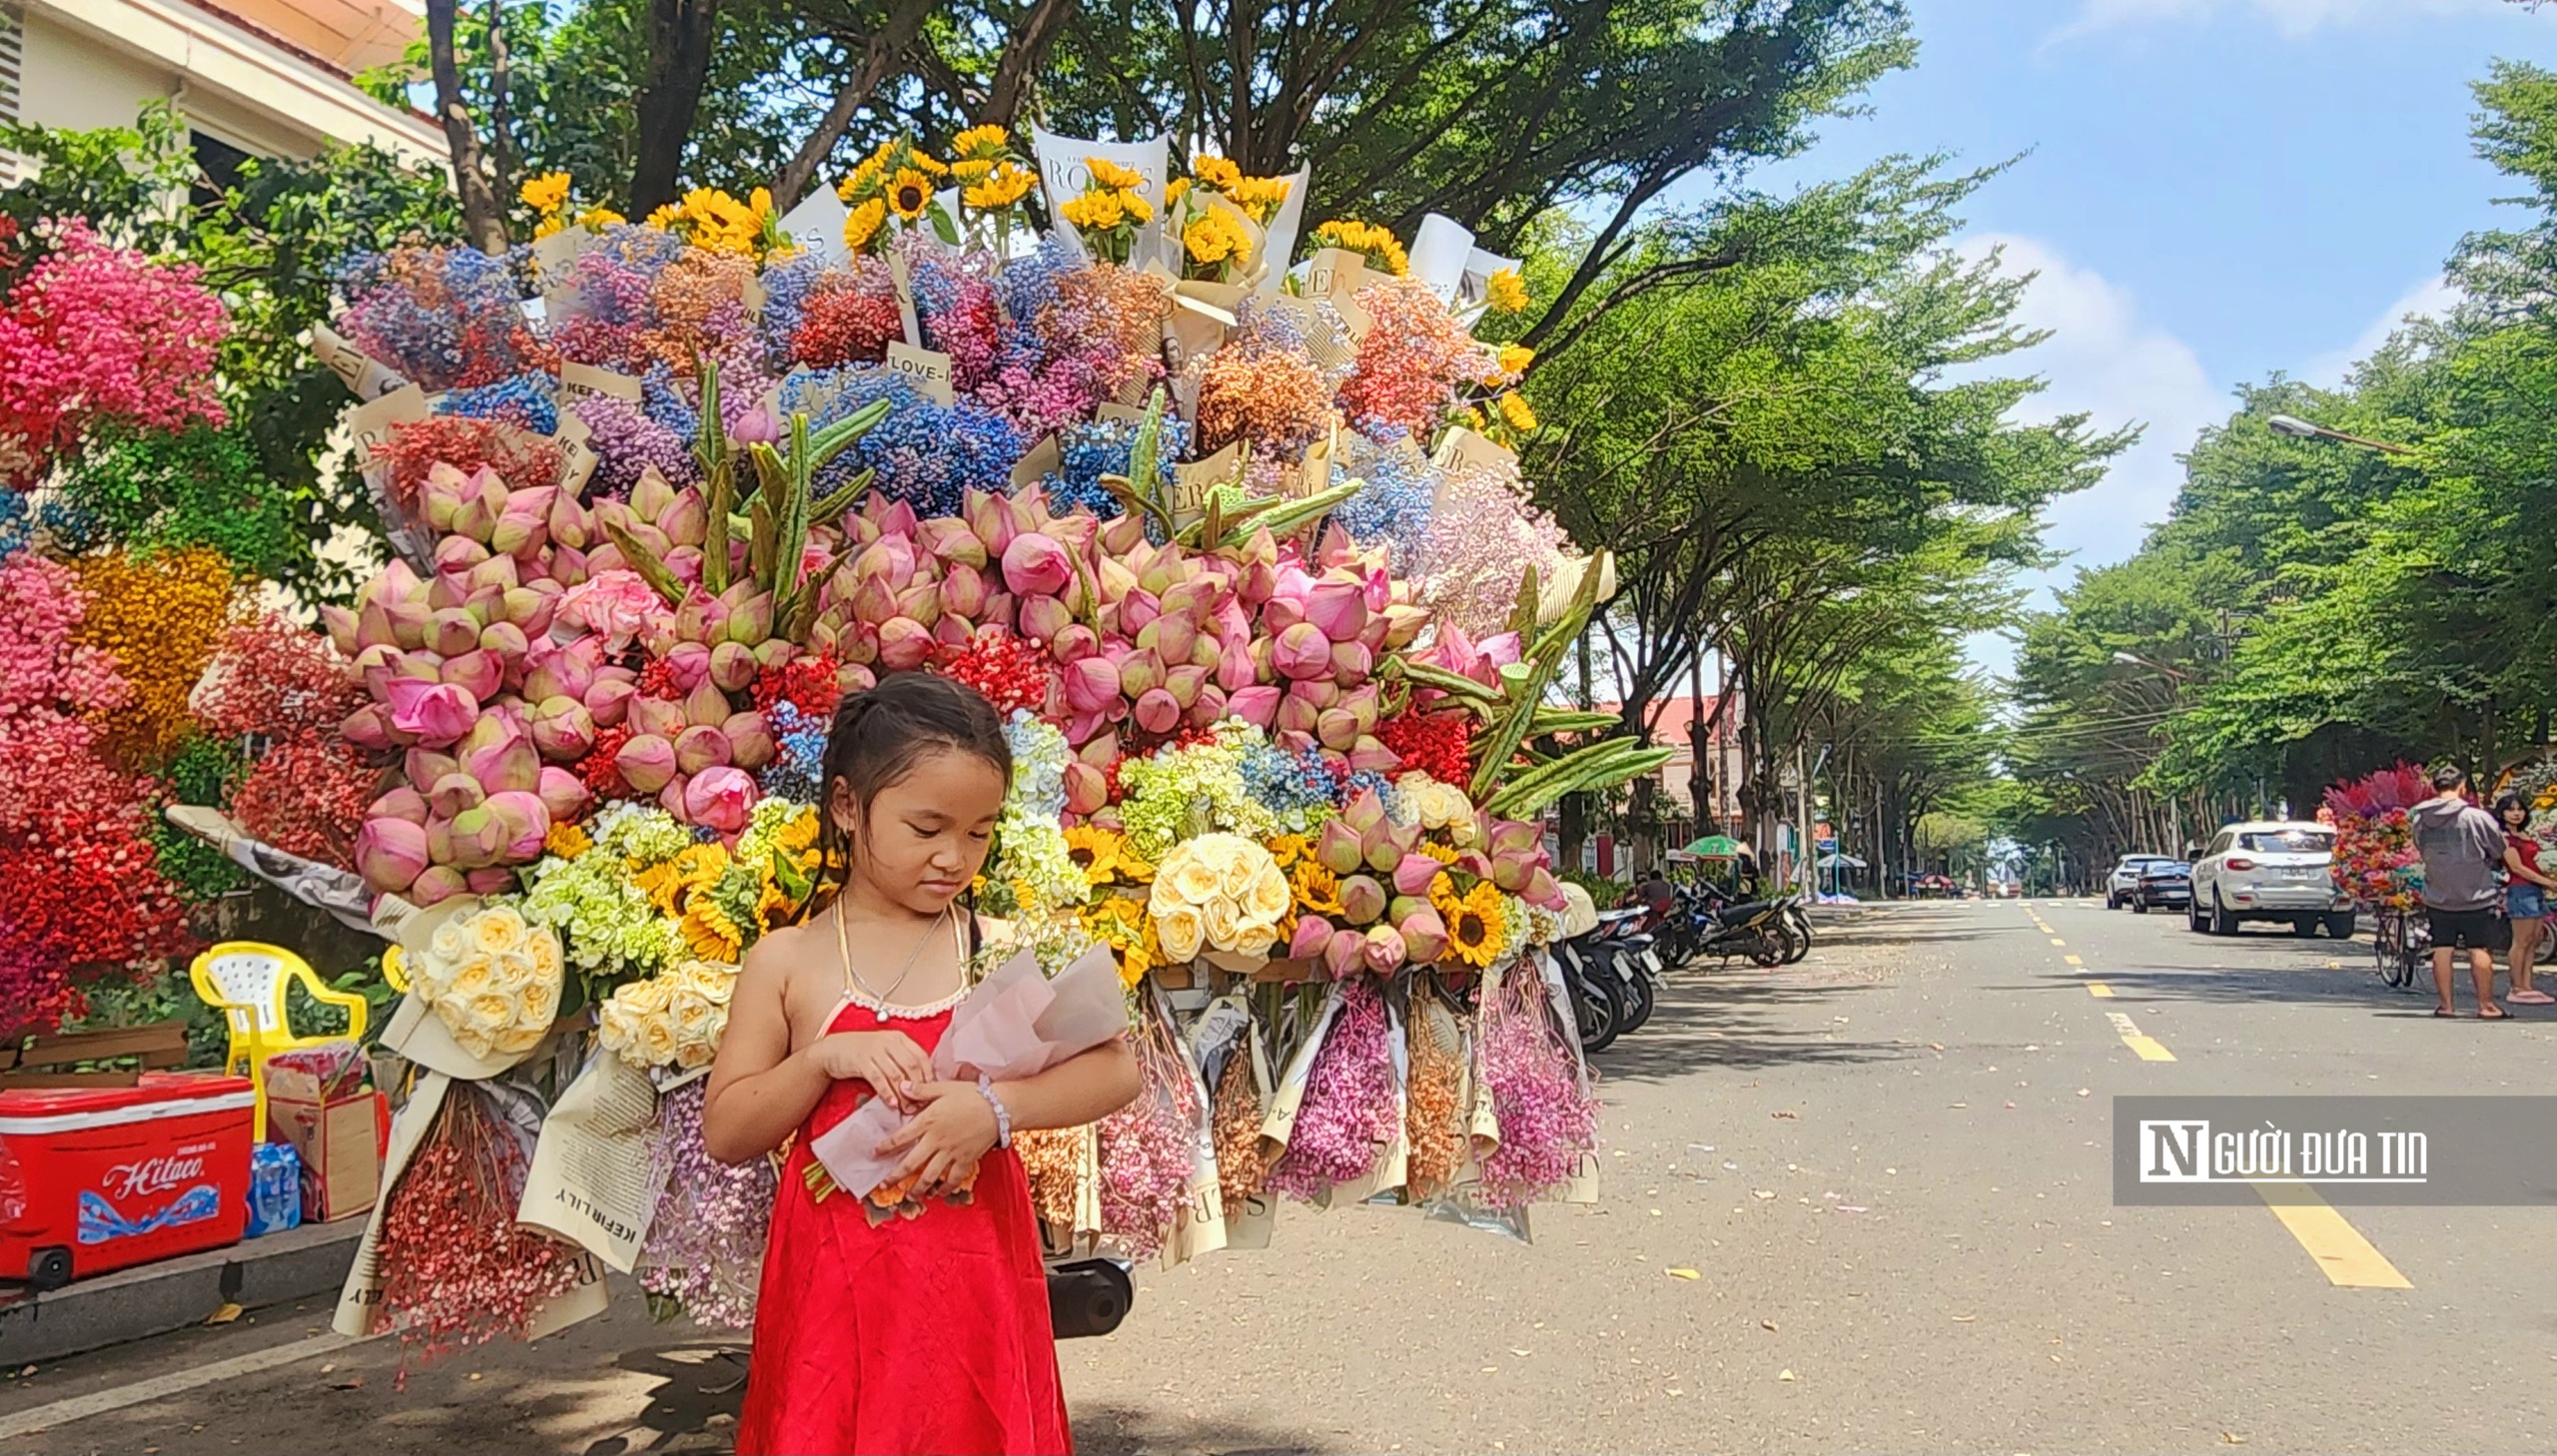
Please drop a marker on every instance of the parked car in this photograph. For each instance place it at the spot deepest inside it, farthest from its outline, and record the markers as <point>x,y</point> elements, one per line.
<point>2269,870</point>
<point>2121,886</point>
<point>2165,884</point>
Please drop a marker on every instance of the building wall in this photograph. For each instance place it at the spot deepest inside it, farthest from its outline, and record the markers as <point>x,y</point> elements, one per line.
<point>93,63</point>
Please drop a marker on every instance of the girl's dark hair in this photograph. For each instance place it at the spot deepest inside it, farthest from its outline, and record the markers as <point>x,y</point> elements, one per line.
<point>2511,801</point>
<point>877,738</point>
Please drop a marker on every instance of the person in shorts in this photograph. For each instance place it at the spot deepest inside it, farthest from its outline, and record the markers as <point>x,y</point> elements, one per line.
<point>2464,849</point>
<point>2525,900</point>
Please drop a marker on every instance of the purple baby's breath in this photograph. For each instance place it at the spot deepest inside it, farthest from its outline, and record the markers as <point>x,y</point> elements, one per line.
<point>1348,1113</point>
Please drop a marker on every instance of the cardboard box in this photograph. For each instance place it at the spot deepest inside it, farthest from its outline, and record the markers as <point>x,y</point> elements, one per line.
<point>338,1142</point>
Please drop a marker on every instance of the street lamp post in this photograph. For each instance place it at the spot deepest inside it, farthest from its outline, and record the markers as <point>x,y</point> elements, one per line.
<point>2298,429</point>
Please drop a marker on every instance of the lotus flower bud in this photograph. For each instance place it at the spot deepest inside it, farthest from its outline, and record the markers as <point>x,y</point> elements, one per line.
<point>610,701</point>
<point>874,601</point>
<point>570,568</point>
<point>859,644</point>
<point>569,523</point>
<point>1158,712</point>
<point>1337,608</point>
<point>506,641</point>
<point>990,519</point>
<point>750,744</point>
<point>1510,873</point>
<point>1087,788</point>
<point>1044,618</point>
<point>1370,754</point>
<point>650,497</point>
<point>373,626</point>
<point>476,838</point>
<point>1338,728</point>
<point>452,632</point>
<point>1280,615</point>
<point>671,798</point>
<point>1364,811</point>
<point>686,519</point>
<point>719,798</point>
<point>491,880</point>
<point>1255,705</point>
<point>603,558</point>
<point>368,727</point>
<point>1385,951</point>
<point>1034,564</point>
<point>556,672</point>
<point>459,554</point>
<point>1139,674</point>
<point>1137,609</point>
<point>750,623</point>
<point>954,632</point>
<point>1351,663</point>
<point>1542,890</point>
<point>1075,643</point>
<point>425,765</point>
<point>1210,708</point>
<point>436,884</point>
<point>1301,652</point>
<point>1511,836</point>
<point>774,652</point>
<point>1313,933</point>
<point>1424,934</point>
<point>1361,898</point>
<point>1337,846</point>
<point>705,704</point>
<point>700,747</point>
<point>454,792</point>
<point>527,823</point>
<point>1093,686</point>
<point>962,591</point>
<point>756,427</point>
<point>1346,952</point>
<point>852,679</point>
<point>1176,634</point>
<point>732,667</point>
<point>1183,683</point>
<point>563,793</point>
<point>508,762</point>
<point>921,601</point>
<point>391,854</point>
<point>1319,691</point>
<point>562,729</point>
<point>950,540</point>
<point>904,644</point>
<point>520,533</point>
<point>403,802</point>
<point>1413,874</point>
<point>647,763</point>
<point>432,714</point>
<point>1296,715</point>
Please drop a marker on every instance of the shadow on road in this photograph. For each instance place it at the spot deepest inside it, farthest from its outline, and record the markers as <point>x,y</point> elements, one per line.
<point>1113,1430</point>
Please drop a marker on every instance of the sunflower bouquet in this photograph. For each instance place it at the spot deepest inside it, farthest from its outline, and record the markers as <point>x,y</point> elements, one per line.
<point>894,189</point>
<point>1110,209</point>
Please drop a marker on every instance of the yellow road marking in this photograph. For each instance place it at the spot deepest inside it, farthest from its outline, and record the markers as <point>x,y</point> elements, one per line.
<point>2057,941</point>
<point>2150,1049</point>
<point>2345,1257</point>
<point>2097,988</point>
<point>2074,961</point>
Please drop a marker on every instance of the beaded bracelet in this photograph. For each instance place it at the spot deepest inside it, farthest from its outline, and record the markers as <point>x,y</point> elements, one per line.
<point>1002,1114</point>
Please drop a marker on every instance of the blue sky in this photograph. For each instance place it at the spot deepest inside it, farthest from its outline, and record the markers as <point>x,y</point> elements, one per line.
<point>2215,190</point>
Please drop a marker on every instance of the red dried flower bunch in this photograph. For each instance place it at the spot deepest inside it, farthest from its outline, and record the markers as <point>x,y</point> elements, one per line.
<point>520,459</point>
<point>810,684</point>
<point>458,1270</point>
<point>1008,671</point>
<point>845,326</point>
<point>1438,744</point>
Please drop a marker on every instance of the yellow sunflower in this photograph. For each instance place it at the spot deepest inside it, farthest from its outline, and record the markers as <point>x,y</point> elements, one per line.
<point>1514,408</point>
<point>550,223</point>
<point>1506,291</point>
<point>665,217</point>
<point>1214,237</point>
<point>1136,206</point>
<point>862,223</point>
<point>1004,186</point>
<point>972,169</point>
<point>1218,172</point>
<point>1287,849</point>
<point>1175,190</point>
<point>1475,932</point>
<point>1097,852</point>
<point>1258,195</point>
<point>909,194</point>
<point>548,192</point>
<point>1514,359</point>
<point>986,142</point>
<point>1106,173</point>
<point>567,841</point>
<point>706,928</point>
<point>1094,211</point>
<point>1317,889</point>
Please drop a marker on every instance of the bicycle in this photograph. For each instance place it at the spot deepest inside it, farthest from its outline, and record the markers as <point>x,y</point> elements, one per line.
<point>2401,945</point>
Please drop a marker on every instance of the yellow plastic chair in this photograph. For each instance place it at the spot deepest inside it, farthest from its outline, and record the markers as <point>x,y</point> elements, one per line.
<point>245,980</point>
<point>395,971</point>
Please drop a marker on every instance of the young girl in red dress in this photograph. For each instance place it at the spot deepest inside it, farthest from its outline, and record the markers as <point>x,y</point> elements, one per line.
<point>924,1334</point>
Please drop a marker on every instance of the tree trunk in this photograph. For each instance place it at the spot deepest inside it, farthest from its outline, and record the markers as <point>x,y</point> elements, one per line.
<point>1022,55</point>
<point>484,217</point>
<point>678,35</point>
<point>881,52</point>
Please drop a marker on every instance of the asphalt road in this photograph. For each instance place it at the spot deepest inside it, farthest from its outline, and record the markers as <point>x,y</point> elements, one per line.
<point>1887,1167</point>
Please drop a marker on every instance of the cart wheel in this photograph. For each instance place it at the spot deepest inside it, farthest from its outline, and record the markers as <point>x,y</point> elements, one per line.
<point>48,1268</point>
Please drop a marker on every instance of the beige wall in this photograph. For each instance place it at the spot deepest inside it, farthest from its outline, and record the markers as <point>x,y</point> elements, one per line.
<point>93,62</point>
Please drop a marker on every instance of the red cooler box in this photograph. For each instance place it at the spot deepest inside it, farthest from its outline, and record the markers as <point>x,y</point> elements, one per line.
<point>99,1178</point>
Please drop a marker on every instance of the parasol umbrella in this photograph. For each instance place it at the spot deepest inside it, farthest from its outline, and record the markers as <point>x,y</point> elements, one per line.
<point>1715,847</point>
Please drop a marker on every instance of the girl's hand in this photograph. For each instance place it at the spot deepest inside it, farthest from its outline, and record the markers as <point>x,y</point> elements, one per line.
<point>888,1061</point>
<point>945,1139</point>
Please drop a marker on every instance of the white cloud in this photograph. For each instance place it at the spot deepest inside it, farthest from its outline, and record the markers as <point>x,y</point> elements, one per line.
<point>2292,18</point>
<point>2431,299</point>
<point>2105,360</point>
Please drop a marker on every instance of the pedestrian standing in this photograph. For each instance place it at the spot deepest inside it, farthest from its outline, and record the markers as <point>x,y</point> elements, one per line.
<point>2462,847</point>
<point>896,1333</point>
<point>2525,900</point>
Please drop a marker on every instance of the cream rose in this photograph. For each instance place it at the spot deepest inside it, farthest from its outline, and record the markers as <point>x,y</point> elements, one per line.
<point>1189,877</point>
<point>474,976</point>
<point>1179,928</point>
<point>497,930</point>
<point>489,1013</point>
<point>1255,938</point>
<point>448,944</point>
<point>1219,918</point>
<point>1266,898</point>
<point>690,1013</point>
<point>543,945</point>
<point>657,1041</point>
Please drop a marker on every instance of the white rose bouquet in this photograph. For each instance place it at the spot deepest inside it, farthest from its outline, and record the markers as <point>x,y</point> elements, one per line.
<point>493,978</point>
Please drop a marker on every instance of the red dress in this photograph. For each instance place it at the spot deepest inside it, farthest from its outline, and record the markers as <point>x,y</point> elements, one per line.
<point>925,1335</point>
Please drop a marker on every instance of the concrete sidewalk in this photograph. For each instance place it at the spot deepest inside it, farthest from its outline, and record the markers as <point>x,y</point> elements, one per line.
<point>136,1303</point>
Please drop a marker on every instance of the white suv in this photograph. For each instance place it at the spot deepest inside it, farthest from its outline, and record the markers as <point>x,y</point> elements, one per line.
<point>2269,870</point>
<point>2123,887</point>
